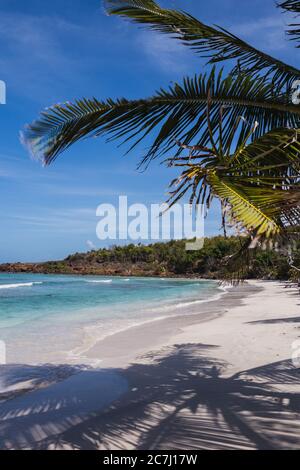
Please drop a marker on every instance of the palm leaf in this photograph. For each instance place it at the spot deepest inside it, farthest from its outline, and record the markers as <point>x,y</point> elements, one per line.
<point>255,217</point>
<point>259,183</point>
<point>177,113</point>
<point>277,148</point>
<point>293,6</point>
<point>215,43</point>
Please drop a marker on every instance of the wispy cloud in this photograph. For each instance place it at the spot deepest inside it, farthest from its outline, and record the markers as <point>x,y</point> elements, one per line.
<point>268,33</point>
<point>37,52</point>
<point>41,55</point>
<point>78,220</point>
<point>91,245</point>
<point>26,175</point>
<point>80,191</point>
<point>164,52</point>
<point>36,33</point>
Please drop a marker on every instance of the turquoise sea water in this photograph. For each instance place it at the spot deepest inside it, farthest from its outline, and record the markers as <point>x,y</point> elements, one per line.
<point>49,318</point>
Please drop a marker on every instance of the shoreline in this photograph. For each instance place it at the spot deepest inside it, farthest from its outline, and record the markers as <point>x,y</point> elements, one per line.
<point>75,359</point>
<point>233,356</point>
<point>166,275</point>
<point>112,350</point>
<point>186,309</point>
<point>93,321</point>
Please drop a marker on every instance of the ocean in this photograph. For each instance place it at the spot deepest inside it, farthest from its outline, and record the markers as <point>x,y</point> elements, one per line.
<point>57,318</point>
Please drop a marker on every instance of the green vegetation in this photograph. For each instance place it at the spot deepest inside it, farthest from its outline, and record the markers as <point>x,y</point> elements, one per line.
<point>167,259</point>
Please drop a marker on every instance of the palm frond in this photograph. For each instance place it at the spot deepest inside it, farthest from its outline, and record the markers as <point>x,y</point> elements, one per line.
<point>214,43</point>
<point>259,211</point>
<point>235,267</point>
<point>290,5</point>
<point>277,148</point>
<point>255,214</point>
<point>293,6</point>
<point>177,113</point>
<point>259,184</point>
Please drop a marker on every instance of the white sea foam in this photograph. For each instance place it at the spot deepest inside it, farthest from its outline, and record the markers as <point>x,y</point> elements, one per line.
<point>21,284</point>
<point>189,303</point>
<point>103,281</point>
<point>225,286</point>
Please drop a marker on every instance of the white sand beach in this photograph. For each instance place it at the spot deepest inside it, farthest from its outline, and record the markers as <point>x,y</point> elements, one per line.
<point>219,379</point>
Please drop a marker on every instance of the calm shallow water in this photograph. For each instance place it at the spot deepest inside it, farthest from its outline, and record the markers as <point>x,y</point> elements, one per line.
<point>49,318</point>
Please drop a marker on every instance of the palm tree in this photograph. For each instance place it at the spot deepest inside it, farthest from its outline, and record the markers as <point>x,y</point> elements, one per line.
<point>241,130</point>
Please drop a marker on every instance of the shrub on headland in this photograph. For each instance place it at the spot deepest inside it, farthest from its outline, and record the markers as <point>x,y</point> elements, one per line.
<point>167,259</point>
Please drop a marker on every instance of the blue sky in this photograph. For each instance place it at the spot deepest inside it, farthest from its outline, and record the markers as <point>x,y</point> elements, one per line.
<point>67,49</point>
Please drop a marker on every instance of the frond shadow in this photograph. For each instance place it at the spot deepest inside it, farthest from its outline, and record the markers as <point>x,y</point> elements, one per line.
<point>180,400</point>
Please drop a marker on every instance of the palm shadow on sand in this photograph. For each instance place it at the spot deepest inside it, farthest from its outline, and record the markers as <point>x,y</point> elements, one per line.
<point>180,401</point>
